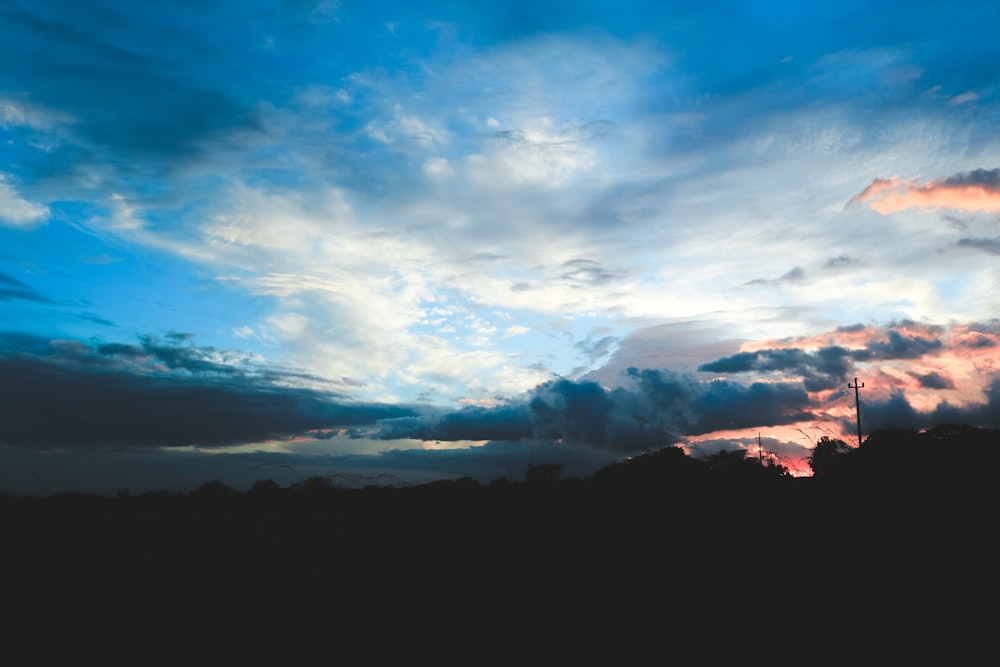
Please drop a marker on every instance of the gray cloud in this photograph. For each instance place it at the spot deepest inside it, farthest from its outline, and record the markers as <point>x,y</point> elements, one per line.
<point>897,412</point>
<point>899,346</point>
<point>12,289</point>
<point>934,380</point>
<point>72,394</point>
<point>794,275</point>
<point>991,246</point>
<point>840,262</point>
<point>586,273</point>
<point>594,349</point>
<point>654,408</point>
<point>987,178</point>
<point>120,71</point>
<point>826,367</point>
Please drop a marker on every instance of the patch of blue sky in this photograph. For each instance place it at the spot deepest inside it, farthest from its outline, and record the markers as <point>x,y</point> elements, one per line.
<point>91,287</point>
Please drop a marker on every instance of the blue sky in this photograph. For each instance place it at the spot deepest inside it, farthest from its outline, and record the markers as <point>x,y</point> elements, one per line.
<point>450,238</point>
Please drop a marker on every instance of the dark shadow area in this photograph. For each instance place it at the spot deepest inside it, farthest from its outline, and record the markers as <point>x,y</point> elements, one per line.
<point>901,525</point>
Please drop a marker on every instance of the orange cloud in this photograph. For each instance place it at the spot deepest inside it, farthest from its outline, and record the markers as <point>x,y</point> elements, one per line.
<point>978,190</point>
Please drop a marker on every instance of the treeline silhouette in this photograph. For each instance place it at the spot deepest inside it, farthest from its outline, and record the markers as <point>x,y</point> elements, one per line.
<point>906,517</point>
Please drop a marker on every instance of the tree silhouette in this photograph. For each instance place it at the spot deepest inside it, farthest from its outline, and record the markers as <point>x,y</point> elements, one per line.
<point>829,456</point>
<point>265,487</point>
<point>736,464</point>
<point>213,489</point>
<point>540,473</point>
<point>315,485</point>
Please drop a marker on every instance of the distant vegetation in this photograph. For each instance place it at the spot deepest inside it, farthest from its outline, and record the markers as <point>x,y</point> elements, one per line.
<point>663,526</point>
<point>943,454</point>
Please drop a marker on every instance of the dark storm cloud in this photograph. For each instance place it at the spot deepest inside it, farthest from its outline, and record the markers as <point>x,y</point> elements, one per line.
<point>575,411</point>
<point>506,422</point>
<point>727,405</point>
<point>176,355</point>
<point>654,409</point>
<point>511,422</point>
<point>897,412</point>
<point>826,367</point>
<point>70,394</point>
<point>898,346</point>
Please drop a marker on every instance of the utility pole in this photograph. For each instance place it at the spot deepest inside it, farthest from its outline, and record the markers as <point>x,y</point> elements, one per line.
<point>760,450</point>
<point>857,404</point>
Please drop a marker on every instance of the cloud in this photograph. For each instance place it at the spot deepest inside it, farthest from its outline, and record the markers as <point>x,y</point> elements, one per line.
<point>650,410</point>
<point>795,275</point>
<point>840,262</point>
<point>990,246</point>
<point>823,369</point>
<point>16,211</point>
<point>829,366</point>
<point>898,412</point>
<point>116,69</point>
<point>934,380</point>
<point>69,394</point>
<point>964,98</point>
<point>13,289</point>
<point>977,190</point>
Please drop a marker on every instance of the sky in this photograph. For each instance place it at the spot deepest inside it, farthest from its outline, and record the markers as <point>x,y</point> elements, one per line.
<point>393,242</point>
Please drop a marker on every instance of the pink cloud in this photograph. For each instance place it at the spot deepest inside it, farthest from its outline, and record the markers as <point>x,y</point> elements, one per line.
<point>978,190</point>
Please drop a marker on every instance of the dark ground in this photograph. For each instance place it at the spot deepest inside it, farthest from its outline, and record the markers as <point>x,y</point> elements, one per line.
<point>661,549</point>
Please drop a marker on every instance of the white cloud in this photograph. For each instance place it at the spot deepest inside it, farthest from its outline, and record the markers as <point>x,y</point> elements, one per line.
<point>23,113</point>
<point>539,155</point>
<point>125,216</point>
<point>516,330</point>
<point>438,168</point>
<point>579,206</point>
<point>964,98</point>
<point>244,332</point>
<point>408,129</point>
<point>16,211</point>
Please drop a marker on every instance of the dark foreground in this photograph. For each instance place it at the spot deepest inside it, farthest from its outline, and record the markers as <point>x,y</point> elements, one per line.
<point>662,550</point>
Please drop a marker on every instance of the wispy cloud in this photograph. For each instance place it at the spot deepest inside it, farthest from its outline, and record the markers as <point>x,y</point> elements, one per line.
<point>13,289</point>
<point>15,211</point>
<point>978,190</point>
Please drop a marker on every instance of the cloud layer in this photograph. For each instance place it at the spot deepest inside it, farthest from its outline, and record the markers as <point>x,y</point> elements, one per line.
<point>463,224</point>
